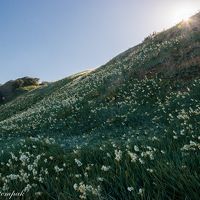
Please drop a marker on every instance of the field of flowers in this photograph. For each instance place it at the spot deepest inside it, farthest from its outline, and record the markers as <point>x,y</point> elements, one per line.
<point>127,130</point>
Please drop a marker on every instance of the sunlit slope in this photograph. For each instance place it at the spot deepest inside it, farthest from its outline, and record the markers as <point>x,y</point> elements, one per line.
<point>156,78</point>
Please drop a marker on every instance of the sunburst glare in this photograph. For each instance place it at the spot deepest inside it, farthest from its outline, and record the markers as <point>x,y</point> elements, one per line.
<point>184,13</point>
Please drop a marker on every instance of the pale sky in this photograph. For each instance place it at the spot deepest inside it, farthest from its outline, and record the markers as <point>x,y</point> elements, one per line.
<point>52,39</point>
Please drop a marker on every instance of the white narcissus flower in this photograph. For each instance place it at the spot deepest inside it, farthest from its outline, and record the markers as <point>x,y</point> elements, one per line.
<point>136,148</point>
<point>130,189</point>
<point>133,156</point>
<point>105,168</point>
<point>78,162</point>
<point>75,186</point>
<point>141,192</point>
<point>118,155</point>
<point>57,169</point>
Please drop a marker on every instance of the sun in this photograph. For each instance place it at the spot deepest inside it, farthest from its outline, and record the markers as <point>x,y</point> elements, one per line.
<point>183,13</point>
<point>185,16</point>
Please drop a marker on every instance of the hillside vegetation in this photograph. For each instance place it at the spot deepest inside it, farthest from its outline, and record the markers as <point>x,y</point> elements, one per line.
<point>127,130</point>
<point>13,89</point>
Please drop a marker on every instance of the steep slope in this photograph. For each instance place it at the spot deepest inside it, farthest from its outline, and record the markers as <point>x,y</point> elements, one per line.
<point>127,130</point>
<point>173,55</point>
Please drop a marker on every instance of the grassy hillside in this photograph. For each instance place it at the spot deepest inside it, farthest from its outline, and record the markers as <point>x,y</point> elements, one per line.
<point>127,130</point>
